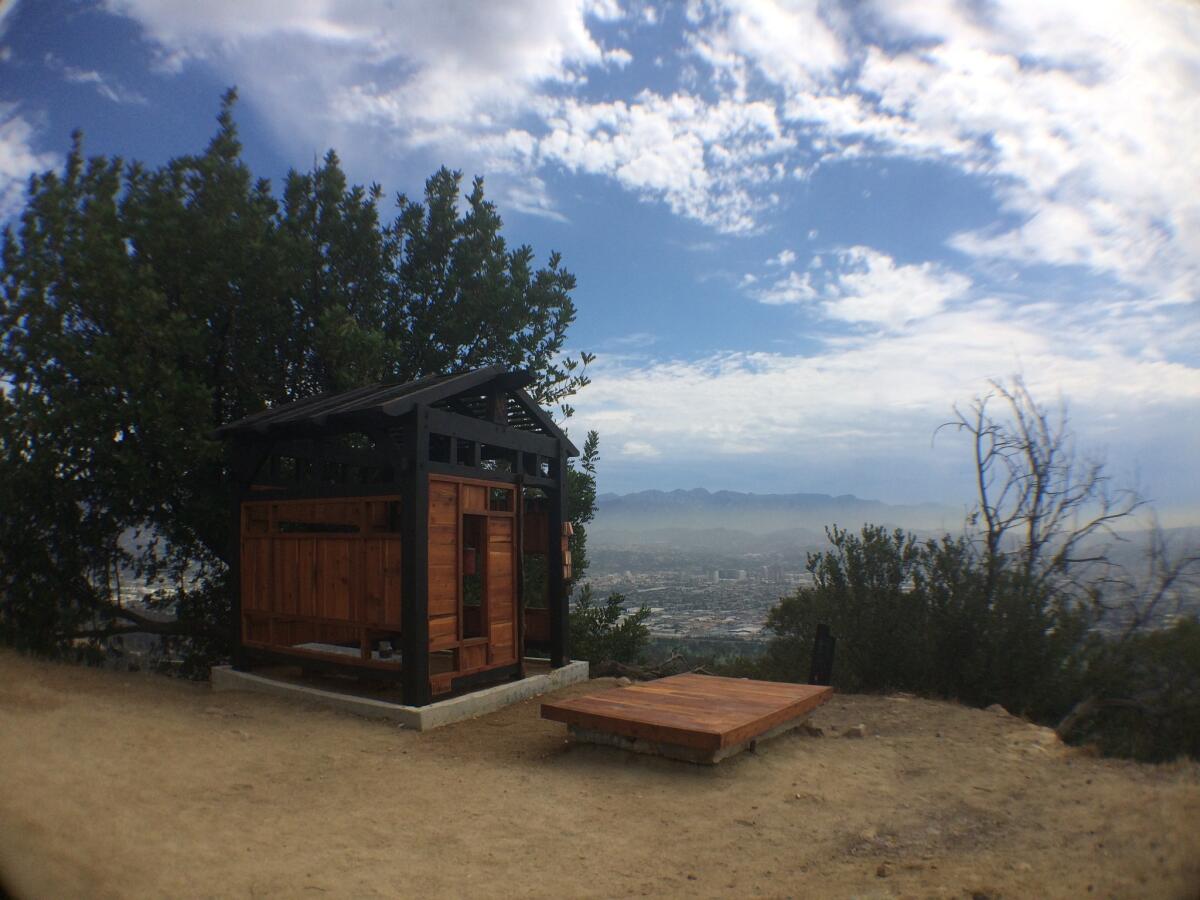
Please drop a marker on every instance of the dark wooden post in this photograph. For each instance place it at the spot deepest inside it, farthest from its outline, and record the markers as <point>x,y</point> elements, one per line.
<point>519,605</point>
<point>243,465</point>
<point>237,654</point>
<point>414,578</point>
<point>821,671</point>
<point>557,599</point>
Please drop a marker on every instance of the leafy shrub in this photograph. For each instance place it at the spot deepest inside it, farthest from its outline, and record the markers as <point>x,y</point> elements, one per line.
<point>606,632</point>
<point>1142,695</point>
<point>927,617</point>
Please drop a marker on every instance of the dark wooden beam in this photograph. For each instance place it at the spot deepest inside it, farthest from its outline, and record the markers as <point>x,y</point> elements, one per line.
<point>557,598</point>
<point>306,449</point>
<point>519,618</point>
<point>237,651</point>
<point>414,598</point>
<point>445,422</point>
<point>464,683</point>
<point>246,458</point>
<point>270,491</point>
<point>436,468</point>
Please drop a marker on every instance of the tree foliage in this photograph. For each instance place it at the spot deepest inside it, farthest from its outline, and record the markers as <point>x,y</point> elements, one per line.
<point>142,307</point>
<point>581,504</point>
<point>607,632</point>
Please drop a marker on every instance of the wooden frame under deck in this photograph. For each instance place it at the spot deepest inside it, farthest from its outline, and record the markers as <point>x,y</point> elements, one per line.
<point>349,515</point>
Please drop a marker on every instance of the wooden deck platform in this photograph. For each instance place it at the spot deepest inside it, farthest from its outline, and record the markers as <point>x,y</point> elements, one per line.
<point>700,718</point>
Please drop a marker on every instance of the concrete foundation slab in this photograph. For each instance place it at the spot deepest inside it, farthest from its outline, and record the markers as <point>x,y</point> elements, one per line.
<point>419,718</point>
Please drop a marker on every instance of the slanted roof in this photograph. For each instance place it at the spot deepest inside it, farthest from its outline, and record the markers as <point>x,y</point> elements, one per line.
<point>462,392</point>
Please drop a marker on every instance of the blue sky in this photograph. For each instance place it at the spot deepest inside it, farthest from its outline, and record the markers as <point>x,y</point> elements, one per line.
<point>802,230</point>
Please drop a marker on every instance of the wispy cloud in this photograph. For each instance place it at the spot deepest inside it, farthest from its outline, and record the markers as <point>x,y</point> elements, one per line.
<point>106,86</point>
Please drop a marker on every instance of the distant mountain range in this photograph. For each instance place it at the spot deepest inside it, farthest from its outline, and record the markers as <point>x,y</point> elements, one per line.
<point>727,519</point>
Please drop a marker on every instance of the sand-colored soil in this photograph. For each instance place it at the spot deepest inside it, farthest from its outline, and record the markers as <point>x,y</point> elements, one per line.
<point>116,785</point>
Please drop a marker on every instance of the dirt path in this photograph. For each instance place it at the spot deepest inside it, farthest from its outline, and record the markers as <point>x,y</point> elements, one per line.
<point>132,785</point>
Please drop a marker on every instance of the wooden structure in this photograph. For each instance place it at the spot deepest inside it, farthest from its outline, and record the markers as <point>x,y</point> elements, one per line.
<point>411,532</point>
<point>700,718</point>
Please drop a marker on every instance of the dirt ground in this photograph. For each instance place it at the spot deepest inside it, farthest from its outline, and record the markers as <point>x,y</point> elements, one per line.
<point>126,785</point>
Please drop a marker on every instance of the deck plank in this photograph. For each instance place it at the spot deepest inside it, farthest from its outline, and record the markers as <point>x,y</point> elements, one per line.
<point>702,712</point>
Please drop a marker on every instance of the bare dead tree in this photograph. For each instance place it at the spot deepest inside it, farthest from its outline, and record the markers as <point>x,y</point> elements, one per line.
<point>1040,505</point>
<point>1154,594</point>
<point>1047,513</point>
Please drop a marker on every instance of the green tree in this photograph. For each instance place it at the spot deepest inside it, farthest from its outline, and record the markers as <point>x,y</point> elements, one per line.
<point>141,308</point>
<point>581,504</point>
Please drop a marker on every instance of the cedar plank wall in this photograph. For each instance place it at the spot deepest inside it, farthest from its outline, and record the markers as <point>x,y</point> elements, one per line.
<point>443,564</point>
<point>302,586</point>
<point>449,499</point>
<point>502,589</point>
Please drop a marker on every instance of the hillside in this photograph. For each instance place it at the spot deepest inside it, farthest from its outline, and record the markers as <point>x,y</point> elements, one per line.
<point>118,785</point>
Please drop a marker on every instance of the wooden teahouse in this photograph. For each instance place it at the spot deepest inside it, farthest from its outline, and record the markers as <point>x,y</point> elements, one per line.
<point>407,532</point>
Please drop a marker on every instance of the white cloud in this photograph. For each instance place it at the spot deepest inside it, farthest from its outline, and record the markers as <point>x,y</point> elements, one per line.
<point>793,287</point>
<point>871,288</point>
<point>618,57</point>
<point>18,159</point>
<point>107,87</point>
<point>790,43</point>
<point>639,450</point>
<point>865,286</point>
<point>386,65</point>
<point>783,258</point>
<point>700,158</point>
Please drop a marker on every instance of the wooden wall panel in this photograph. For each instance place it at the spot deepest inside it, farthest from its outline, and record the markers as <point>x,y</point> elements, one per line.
<point>502,640</point>
<point>443,503</point>
<point>381,581</point>
<point>443,586</point>
<point>306,576</point>
<point>286,573</point>
<point>501,586</point>
<point>373,580</point>
<point>292,577</point>
<point>333,561</point>
<point>473,656</point>
<point>250,562</point>
<point>449,499</point>
<point>474,498</point>
<point>443,632</point>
